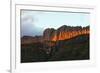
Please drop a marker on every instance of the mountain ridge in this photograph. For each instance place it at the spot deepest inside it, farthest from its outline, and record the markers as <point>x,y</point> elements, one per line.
<point>62,33</point>
<point>64,43</point>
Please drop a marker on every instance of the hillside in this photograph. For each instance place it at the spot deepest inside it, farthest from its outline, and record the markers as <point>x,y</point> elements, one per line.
<point>64,43</point>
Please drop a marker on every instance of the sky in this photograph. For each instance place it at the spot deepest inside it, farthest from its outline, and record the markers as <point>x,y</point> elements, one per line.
<point>35,22</point>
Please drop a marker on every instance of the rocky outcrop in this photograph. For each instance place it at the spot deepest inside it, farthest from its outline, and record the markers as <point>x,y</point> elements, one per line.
<point>64,32</point>
<point>51,34</point>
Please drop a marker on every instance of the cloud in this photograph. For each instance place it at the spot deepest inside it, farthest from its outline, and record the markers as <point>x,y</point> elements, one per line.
<point>28,26</point>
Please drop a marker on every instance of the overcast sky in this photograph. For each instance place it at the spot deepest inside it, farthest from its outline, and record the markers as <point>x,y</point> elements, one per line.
<point>35,22</point>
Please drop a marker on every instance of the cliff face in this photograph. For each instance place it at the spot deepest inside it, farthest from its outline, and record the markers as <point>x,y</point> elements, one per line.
<point>48,34</point>
<point>64,32</point>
